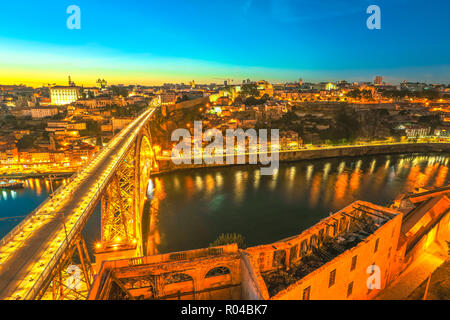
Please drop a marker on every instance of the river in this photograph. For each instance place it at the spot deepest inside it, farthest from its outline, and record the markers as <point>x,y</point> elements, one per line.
<point>190,209</point>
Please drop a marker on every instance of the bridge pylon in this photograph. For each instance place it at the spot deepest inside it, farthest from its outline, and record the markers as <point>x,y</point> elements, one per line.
<point>118,209</point>
<point>72,277</point>
<point>122,203</point>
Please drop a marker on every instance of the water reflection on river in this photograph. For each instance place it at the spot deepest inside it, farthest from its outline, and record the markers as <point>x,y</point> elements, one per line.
<point>191,209</point>
<point>20,202</point>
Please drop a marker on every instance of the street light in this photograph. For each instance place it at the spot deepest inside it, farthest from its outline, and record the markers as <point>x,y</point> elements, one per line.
<point>51,185</point>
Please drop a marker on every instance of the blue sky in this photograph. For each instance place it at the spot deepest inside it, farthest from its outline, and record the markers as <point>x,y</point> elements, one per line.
<point>277,40</point>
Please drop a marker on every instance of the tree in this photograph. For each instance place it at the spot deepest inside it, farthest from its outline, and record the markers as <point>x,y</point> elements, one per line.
<point>26,142</point>
<point>229,89</point>
<point>229,238</point>
<point>347,126</point>
<point>92,128</point>
<point>367,94</point>
<point>82,93</point>
<point>433,121</point>
<point>90,94</point>
<point>10,119</point>
<point>249,90</point>
<point>355,94</point>
<point>119,91</point>
<point>183,98</point>
<point>252,101</point>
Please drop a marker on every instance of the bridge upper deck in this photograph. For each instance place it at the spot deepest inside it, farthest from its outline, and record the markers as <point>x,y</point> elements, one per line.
<point>30,251</point>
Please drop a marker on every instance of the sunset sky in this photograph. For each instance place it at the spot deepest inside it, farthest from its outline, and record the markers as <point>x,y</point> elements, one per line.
<point>151,42</point>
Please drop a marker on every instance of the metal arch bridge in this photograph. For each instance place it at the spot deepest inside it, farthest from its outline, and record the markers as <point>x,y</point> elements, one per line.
<point>34,256</point>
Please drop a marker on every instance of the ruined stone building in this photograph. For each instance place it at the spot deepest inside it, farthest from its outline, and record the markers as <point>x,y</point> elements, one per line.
<point>204,274</point>
<point>352,254</point>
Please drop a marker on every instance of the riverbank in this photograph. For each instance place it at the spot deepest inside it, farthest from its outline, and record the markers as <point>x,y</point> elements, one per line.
<point>22,176</point>
<point>167,166</point>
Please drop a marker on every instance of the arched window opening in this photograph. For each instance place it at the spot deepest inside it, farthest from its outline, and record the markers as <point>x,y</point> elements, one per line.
<point>219,271</point>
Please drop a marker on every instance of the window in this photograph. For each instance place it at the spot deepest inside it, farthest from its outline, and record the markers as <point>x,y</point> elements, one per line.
<point>177,256</point>
<point>354,259</point>
<point>293,254</point>
<point>314,242</point>
<point>342,224</point>
<point>178,277</point>
<point>376,245</point>
<point>306,293</point>
<point>279,258</point>
<point>220,271</point>
<point>261,261</point>
<point>350,289</point>
<point>304,247</point>
<point>332,278</point>
<point>321,235</point>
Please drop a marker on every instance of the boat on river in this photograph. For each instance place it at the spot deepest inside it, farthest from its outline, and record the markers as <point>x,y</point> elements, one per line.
<point>11,184</point>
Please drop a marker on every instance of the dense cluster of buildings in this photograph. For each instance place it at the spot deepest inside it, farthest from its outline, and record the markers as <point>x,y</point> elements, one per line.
<point>59,128</point>
<point>306,113</point>
<point>65,118</point>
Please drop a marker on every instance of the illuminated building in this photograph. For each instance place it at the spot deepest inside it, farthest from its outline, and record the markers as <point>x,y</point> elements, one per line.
<point>417,131</point>
<point>43,112</point>
<point>120,123</point>
<point>330,86</point>
<point>378,81</point>
<point>265,87</point>
<point>61,95</point>
<point>290,139</point>
<point>168,98</point>
<point>8,154</point>
<point>102,102</point>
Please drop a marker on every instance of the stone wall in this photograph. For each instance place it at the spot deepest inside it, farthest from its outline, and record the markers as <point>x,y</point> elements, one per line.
<point>251,282</point>
<point>166,110</point>
<point>166,165</point>
<point>203,274</point>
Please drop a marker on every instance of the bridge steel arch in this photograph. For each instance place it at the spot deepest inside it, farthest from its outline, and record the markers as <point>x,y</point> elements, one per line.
<point>124,199</point>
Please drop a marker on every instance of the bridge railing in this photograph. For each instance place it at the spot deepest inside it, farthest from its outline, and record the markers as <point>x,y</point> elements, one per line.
<point>64,245</point>
<point>33,214</point>
<point>33,292</point>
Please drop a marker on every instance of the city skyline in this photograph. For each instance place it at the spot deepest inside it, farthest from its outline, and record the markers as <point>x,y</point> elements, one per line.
<point>208,42</point>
